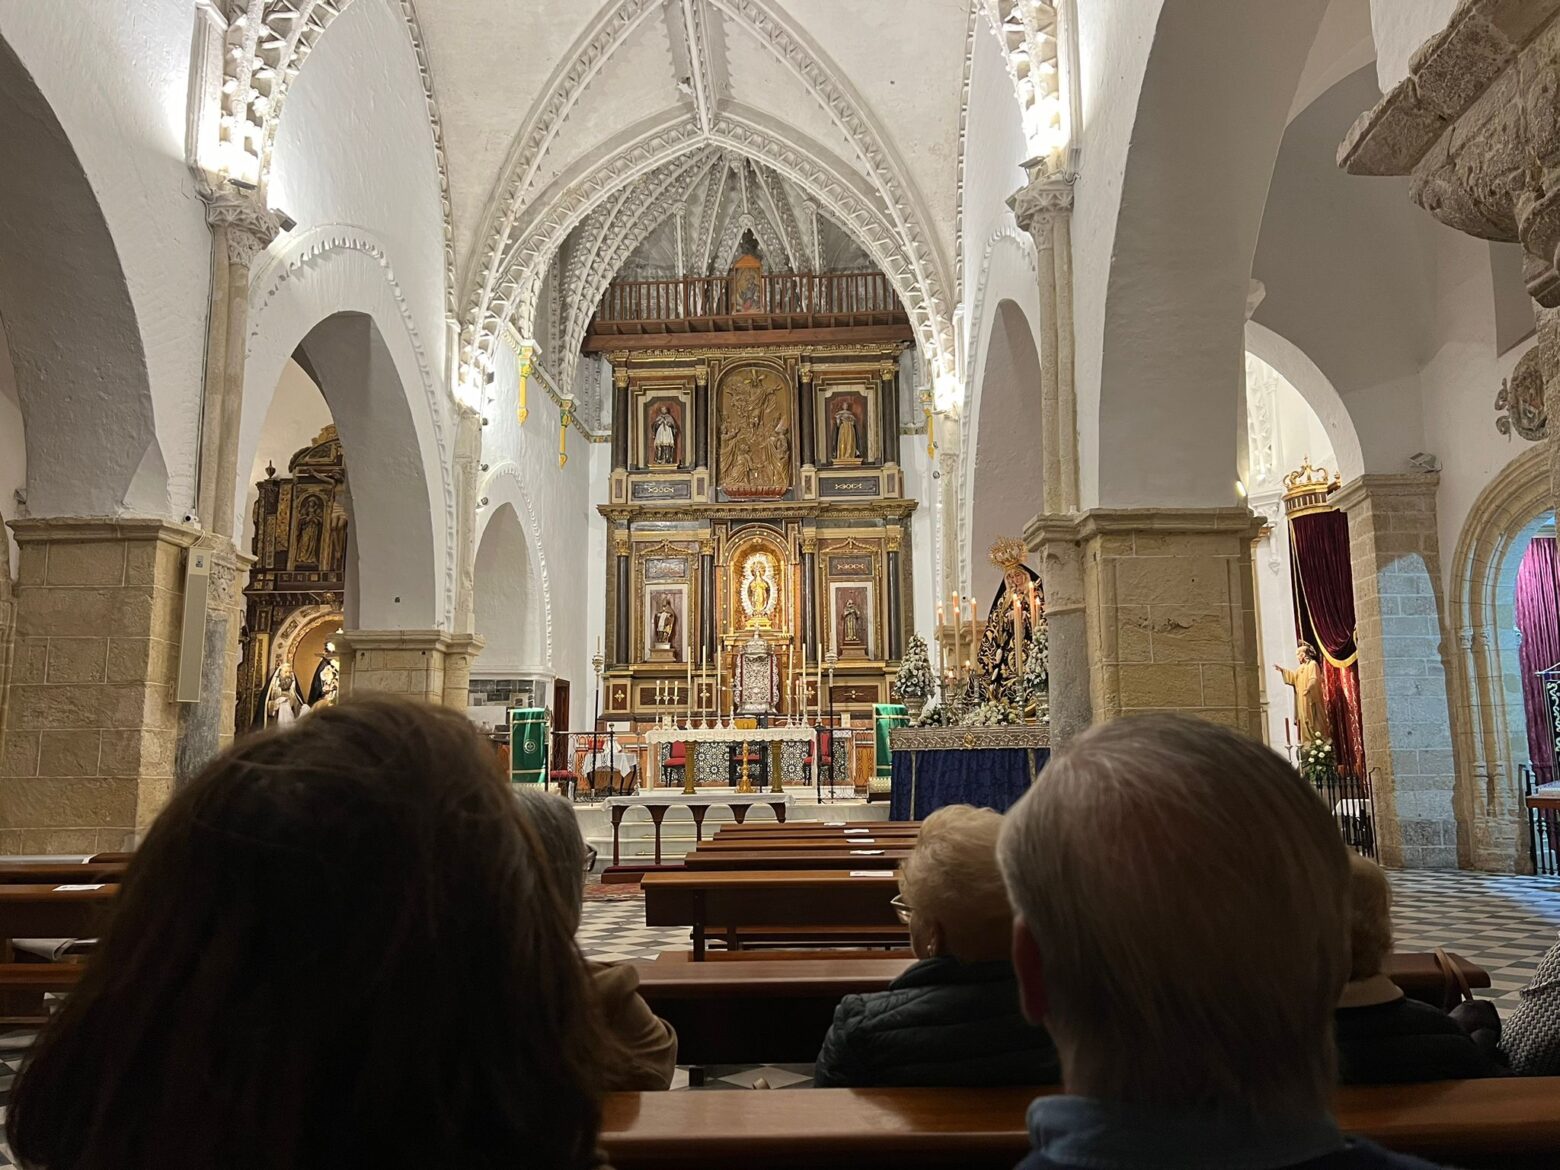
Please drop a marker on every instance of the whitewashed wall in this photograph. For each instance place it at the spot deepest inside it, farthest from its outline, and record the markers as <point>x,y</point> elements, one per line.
<point>117,82</point>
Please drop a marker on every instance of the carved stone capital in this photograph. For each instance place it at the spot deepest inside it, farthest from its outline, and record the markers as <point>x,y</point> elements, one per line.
<point>1039,204</point>
<point>893,538</point>
<point>706,547</point>
<point>888,370</point>
<point>620,377</point>
<point>248,226</point>
<point>1475,123</point>
<point>809,543</point>
<point>805,372</point>
<point>1521,399</point>
<point>620,544</point>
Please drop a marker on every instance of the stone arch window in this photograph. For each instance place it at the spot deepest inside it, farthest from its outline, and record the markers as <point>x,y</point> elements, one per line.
<point>1488,724</point>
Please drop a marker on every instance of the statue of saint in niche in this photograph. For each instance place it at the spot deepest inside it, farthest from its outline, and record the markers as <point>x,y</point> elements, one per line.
<point>847,448</point>
<point>852,623</point>
<point>666,626</point>
<point>311,526</point>
<point>283,701</point>
<point>758,591</point>
<point>663,438</point>
<point>1311,718</point>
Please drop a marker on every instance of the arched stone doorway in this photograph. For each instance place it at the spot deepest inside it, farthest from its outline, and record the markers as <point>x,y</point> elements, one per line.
<point>1489,728</point>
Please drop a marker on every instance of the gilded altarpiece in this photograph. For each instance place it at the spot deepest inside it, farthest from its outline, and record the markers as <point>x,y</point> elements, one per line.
<point>298,581</point>
<point>755,494</point>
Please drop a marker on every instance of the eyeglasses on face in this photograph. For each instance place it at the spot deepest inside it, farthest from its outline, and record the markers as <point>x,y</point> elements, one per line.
<point>901,908</point>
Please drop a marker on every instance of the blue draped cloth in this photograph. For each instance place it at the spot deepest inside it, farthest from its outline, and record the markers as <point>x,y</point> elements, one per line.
<point>925,781</point>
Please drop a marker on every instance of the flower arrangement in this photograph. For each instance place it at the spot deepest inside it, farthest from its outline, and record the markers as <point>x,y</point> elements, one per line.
<point>992,713</point>
<point>914,681</point>
<point>1317,758</point>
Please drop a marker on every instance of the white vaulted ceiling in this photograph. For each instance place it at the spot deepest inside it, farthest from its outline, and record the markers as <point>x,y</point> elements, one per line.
<point>561,117</point>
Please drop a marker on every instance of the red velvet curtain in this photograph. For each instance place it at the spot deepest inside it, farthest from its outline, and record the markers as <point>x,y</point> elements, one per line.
<point>1538,621</point>
<point>1324,617</point>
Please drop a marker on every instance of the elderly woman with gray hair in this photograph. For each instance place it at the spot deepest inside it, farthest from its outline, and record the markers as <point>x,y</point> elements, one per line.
<point>953,1018</point>
<point>647,1045</point>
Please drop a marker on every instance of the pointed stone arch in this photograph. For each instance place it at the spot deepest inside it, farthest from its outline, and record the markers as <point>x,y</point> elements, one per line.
<point>504,487</point>
<point>74,335</point>
<point>1488,736</point>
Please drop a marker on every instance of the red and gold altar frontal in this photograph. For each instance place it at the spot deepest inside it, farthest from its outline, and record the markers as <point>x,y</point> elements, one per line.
<point>758,536</point>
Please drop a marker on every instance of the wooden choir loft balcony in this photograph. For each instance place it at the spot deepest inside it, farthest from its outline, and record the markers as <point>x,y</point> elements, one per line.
<point>747,308</point>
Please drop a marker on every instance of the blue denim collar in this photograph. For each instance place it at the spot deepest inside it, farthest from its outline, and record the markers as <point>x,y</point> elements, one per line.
<point>1100,1135</point>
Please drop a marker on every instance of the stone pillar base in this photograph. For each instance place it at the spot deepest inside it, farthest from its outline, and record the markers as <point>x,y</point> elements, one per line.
<point>1404,711</point>
<point>1151,609</point>
<point>431,665</point>
<point>91,729</point>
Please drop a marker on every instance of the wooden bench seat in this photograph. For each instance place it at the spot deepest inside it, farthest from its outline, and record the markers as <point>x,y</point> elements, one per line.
<point>59,872</point>
<point>743,1005</point>
<point>1509,1124</point>
<point>865,857</point>
<point>789,899</point>
<point>45,911</point>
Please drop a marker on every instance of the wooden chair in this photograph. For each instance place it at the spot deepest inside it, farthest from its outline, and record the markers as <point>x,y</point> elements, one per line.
<point>676,757</point>
<point>826,750</point>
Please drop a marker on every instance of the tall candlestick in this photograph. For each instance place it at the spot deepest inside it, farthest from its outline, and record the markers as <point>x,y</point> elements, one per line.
<point>958,626</point>
<point>690,690</point>
<point>1018,632</point>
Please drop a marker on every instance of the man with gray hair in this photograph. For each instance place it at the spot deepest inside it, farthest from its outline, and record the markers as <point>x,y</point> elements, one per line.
<point>1181,902</point>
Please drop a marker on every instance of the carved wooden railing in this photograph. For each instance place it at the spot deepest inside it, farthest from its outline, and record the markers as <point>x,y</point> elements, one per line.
<point>803,299</point>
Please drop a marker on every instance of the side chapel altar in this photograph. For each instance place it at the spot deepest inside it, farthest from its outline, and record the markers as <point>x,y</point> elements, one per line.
<point>989,735</point>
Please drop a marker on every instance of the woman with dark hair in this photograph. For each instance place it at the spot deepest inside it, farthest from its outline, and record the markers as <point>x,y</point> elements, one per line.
<point>643,1053</point>
<point>341,945</point>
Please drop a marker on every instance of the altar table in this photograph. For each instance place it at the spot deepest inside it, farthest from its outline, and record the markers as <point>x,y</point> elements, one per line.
<point>990,767</point>
<point>727,736</point>
<point>656,802</point>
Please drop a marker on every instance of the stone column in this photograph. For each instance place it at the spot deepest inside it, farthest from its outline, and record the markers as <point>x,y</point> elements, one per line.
<point>888,374</point>
<point>894,588</point>
<point>810,593</point>
<point>1161,600</point>
<point>1059,548</point>
<point>701,416</point>
<point>1043,208</point>
<point>433,666</point>
<point>88,751</point>
<point>707,602</point>
<point>468,475</point>
<point>1403,699</point>
<point>806,439</point>
<point>620,598</point>
<point>620,419</point>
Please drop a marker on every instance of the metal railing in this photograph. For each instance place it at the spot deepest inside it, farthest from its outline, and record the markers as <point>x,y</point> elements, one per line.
<point>1543,823</point>
<point>1348,797</point>
<point>807,294</point>
<point>616,763</point>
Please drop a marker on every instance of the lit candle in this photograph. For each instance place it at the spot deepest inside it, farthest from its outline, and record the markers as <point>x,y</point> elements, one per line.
<point>1034,603</point>
<point>1018,632</point>
<point>958,626</point>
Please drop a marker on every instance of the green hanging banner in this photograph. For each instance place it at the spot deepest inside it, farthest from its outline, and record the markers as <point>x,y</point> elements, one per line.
<point>528,745</point>
<point>887,717</point>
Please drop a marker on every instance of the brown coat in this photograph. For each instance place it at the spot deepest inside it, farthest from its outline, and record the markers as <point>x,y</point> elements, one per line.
<point>646,1053</point>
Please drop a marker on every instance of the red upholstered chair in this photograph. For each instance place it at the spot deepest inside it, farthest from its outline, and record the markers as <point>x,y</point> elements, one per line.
<point>676,757</point>
<point>825,748</point>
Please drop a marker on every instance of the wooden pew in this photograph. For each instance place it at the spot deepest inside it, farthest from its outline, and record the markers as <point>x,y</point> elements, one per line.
<point>45,911</point>
<point>745,1009</point>
<point>1509,1124</point>
<point>868,856</point>
<point>768,828</point>
<point>770,898</point>
<point>59,872</point>
<point>748,1006</point>
<point>843,844</point>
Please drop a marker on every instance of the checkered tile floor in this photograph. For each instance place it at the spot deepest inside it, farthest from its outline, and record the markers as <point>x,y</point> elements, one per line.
<point>1504,924</point>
